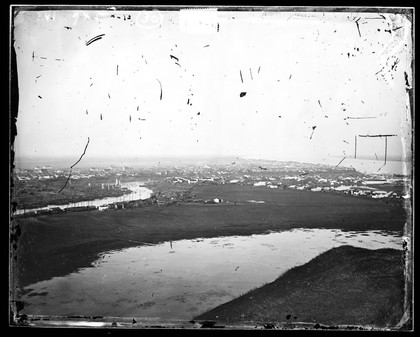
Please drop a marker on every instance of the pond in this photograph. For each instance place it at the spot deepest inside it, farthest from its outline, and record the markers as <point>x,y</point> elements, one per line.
<point>182,279</point>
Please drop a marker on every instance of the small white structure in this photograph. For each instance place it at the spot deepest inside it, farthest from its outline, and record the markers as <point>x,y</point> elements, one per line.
<point>234,181</point>
<point>316,189</point>
<point>375,182</point>
<point>217,200</point>
<point>257,201</point>
<point>260,183</point>
<point>380,194</point>
<point>357,192</point>
<point>342,188</point>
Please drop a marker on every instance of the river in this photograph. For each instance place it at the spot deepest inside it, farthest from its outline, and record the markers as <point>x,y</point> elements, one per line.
<point>138,192</point>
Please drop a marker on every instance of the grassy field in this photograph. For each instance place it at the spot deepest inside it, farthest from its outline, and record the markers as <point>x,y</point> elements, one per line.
<point>343,286</point>
<point>57,244</point>
<point>40,193</point>
<point>243,193</point>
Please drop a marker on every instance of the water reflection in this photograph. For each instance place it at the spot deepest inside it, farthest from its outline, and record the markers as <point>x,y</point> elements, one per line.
<point>181,279</point>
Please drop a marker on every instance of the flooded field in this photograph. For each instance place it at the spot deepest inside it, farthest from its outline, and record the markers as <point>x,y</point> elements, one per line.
<point>181,279</point>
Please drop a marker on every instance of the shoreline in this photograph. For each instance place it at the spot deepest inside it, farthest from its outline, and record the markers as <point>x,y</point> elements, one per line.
<point>54,245</point>
<point>71,204</point>
<point>343,286</point>
<point>57,244</point>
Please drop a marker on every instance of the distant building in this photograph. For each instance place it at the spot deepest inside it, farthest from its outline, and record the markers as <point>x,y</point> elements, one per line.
<point>342,188</point>
<point>375,182</point>
<point>380,194</point>
<point>358,192</point>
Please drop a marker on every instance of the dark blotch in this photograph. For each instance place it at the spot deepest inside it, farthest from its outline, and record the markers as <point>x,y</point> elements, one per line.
<point>269,326</point>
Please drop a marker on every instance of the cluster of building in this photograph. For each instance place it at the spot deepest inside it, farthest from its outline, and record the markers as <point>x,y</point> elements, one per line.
<point>268,174</point>
<point>48,172</point>
<point>357,185</point>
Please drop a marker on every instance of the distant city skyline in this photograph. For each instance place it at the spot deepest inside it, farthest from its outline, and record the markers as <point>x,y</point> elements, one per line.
<point>311,82</point>
<point>363,165</point>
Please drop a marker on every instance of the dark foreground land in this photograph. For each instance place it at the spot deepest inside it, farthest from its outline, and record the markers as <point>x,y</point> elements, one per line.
<point>343,286</point>
<point>346,285</point>
<point>55,245</point>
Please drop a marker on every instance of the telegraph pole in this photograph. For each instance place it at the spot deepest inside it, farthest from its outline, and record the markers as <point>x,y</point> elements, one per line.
<point>355,146</point>
<point>386,142</point>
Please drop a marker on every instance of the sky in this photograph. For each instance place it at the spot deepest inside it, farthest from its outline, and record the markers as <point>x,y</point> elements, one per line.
<point>169,83</point>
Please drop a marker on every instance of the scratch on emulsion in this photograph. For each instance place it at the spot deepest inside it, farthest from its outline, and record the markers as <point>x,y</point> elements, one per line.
<point>71,167</point>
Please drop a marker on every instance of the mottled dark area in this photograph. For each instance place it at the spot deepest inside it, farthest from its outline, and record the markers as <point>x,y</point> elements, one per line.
<point>345,285</point>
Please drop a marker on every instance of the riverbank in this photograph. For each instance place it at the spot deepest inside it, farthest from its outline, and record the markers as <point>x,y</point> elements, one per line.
<point>57,244</point>
<point>41,193</point>
<point>343,286</point>
<point>134,195</point>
